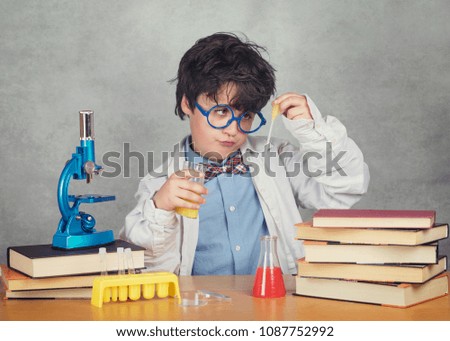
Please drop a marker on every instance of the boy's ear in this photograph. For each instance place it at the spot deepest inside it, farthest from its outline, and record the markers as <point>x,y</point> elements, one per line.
<point>185,106</point>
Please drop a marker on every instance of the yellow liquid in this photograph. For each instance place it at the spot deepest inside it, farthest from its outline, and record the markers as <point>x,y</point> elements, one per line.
<point>275,113</point>
<point>187,212</point>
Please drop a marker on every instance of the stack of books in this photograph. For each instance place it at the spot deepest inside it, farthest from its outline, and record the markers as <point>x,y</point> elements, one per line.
<point>41,271</point>
<point>386,257</point>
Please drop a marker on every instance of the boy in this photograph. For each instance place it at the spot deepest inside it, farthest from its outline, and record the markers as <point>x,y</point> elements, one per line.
<point>223,83</point>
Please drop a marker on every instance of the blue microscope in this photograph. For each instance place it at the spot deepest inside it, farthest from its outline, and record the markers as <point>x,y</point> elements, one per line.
<point>76,228</point>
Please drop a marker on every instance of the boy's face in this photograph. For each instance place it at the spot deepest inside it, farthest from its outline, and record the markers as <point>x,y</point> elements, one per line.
<point>210,142</point>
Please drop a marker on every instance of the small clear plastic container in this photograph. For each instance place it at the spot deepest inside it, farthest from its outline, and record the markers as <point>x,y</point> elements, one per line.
<point>200,298</point>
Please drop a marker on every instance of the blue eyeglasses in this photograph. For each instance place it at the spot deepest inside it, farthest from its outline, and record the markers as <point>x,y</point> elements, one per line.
<point>222,115</point>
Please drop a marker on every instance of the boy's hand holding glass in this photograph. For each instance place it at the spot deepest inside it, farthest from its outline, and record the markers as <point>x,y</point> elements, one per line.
<point>183,191</point>
<point>195,172</point>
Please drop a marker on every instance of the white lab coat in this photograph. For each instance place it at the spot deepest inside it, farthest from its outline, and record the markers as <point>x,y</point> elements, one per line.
<point>170,240</point>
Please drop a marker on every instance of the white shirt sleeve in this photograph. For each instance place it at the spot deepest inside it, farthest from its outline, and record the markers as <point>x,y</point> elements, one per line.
<point>153,228</point>
<point>333,172</point>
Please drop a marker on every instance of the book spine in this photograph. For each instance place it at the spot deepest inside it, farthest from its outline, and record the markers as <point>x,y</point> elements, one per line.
<point>8,257</point>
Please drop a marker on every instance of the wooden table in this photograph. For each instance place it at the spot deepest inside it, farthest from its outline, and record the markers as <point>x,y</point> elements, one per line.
<point>243,307</point>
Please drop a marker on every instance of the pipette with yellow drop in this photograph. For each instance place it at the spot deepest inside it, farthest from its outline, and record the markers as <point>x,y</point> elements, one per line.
<point>275,114</point>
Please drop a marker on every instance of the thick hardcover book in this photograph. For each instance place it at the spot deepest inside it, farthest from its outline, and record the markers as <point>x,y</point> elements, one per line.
<point>389,294</point>
<point>352,235</point>
<point>45,261</point>
<point>68,293</point>
<point>374,218</point>
<point>410,273</point>
<point>16,281</point>
<point>329,252</point>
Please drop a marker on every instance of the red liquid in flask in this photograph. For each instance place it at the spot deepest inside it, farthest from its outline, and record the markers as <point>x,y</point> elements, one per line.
<point>269,283</point>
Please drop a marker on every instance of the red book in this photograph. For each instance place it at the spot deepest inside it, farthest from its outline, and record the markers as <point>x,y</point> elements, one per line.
<point>374,218</point>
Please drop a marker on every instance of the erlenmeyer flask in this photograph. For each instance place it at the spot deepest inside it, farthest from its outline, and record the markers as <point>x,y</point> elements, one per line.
<point>269,281</point>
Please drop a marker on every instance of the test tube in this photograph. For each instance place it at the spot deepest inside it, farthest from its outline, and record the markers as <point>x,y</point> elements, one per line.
<point>104,272</point>
<point>120,261</point>
<point>123,289</point>
<point>103,264</point>
<point>134,291</point>
<point>129,258</point>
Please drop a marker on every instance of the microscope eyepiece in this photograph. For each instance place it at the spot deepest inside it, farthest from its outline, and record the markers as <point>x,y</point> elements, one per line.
<point>86,125</point>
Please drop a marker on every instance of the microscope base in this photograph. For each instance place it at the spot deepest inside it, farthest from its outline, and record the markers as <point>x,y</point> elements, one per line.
<point>64,241</point>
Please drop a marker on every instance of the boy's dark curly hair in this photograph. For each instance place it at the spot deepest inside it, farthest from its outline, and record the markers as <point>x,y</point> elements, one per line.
<point>223,58</point>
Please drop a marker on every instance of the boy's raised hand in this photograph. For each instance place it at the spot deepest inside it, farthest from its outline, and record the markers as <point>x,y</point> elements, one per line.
<point>294,106</point>
<point>178,191</point>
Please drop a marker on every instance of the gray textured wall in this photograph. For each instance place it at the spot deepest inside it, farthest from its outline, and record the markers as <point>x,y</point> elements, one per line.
<point>381,67</point>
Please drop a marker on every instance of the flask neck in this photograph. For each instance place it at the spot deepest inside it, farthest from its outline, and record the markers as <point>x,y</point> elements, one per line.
<point>268,255</point>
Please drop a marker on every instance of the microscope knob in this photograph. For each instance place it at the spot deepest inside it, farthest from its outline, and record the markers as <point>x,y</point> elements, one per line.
<point>87,222</point>
<point>98,170</point>
<point>89,167</point>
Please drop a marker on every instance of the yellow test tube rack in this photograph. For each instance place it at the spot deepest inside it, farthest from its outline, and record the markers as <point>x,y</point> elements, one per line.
<point>132,286</point>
